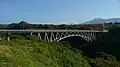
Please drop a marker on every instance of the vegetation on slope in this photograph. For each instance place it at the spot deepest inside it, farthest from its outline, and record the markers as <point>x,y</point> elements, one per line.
<point>36,53</point>
<point>99,49</point>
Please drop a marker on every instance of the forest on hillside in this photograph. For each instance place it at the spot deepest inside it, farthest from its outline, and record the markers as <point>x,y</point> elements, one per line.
<point>27,25</point>
<point>29,51</point>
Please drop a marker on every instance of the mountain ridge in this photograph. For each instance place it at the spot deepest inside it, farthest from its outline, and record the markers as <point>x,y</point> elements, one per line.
<point>101,20</point>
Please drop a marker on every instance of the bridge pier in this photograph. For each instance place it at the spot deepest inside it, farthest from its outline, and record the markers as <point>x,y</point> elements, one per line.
<point>46,38</point>
<point>39,36</point>
<point>8,36</point>
<point>31,33</point>
<point>0,36</point>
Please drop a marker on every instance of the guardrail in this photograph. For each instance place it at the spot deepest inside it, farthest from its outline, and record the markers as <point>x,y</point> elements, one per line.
<point>53,30</point>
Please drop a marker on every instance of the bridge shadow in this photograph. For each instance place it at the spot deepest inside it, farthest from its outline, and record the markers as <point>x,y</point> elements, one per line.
<point>88,48</point>
<point>76,42</point>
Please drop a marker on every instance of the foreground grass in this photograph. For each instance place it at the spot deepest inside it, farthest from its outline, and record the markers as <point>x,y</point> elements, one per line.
<point>35,53</point>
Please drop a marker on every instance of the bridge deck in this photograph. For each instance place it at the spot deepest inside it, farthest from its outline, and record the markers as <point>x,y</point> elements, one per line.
<point>53,31</point>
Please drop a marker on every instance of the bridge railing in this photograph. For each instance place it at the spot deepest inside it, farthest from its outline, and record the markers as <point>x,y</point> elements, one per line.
<point>53,30</point>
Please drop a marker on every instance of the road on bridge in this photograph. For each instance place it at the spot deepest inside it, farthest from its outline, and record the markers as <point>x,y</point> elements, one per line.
<point>53,31</point>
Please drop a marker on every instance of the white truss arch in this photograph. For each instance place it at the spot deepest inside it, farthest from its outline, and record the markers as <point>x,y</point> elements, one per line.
<point>57,35</point>
<point>82,36</point>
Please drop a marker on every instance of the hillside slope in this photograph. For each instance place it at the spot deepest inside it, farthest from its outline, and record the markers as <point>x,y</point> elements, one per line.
<point>33,53</point>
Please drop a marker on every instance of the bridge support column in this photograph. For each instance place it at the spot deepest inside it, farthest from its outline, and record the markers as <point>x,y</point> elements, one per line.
<point>46,38</point>
<point>39,36</point>
<point>31,33</point>
<point>8,36</point>
<point>0,38</point>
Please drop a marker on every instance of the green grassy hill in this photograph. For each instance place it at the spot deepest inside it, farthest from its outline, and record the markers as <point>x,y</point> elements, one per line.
<point>29,51</point>
<point>36,53</point>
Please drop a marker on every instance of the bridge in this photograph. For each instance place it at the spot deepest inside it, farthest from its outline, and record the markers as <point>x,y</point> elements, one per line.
<point>58,35</point>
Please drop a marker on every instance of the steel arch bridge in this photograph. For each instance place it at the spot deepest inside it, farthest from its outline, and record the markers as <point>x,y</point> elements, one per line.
<point>57,35</point>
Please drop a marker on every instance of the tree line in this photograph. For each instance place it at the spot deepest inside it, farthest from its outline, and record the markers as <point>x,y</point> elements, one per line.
<point>26,25</point>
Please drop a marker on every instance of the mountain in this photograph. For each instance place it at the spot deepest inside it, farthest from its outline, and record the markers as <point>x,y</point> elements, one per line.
<point>100,20</point>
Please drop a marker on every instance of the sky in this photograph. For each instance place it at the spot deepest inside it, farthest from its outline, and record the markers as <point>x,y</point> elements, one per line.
<point>57,11</point>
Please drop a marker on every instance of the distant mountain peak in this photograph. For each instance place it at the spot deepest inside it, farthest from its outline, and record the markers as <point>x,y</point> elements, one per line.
<point>100,20</point>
